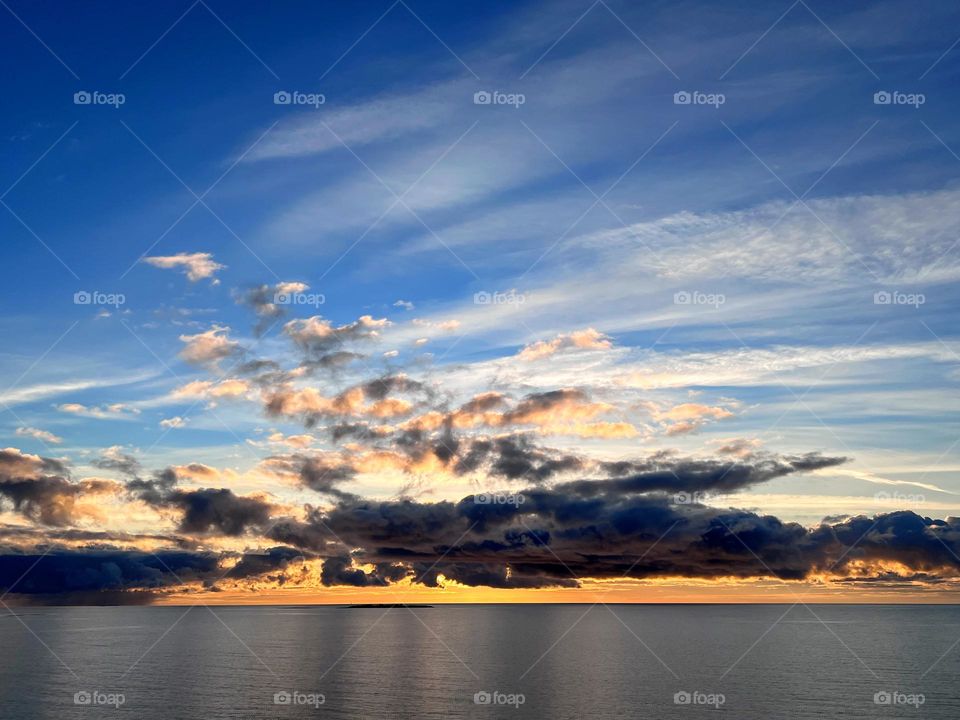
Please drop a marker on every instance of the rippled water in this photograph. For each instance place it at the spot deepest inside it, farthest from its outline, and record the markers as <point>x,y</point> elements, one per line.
<point>556,661</point>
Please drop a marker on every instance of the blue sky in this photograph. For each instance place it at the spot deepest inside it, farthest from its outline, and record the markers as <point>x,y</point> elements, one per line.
<point>599,201</point>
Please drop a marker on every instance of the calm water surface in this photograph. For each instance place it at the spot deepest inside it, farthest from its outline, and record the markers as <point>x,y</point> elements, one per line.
<point>570,661</point>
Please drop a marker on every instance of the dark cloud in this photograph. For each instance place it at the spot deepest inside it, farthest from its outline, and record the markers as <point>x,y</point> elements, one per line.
<point>331,360</point>
<point>118,461</point>
<point>49,500</point>
<point>619,528</point>
<point>314,471</point>
<point>262,563</point>
<point>383,386</point>
<point>17,533</point>
<point>633,523</point>
<point>218,510</point>
<point>206,510</point>
<point>356,431</point>
<point>316,336</point>
<point>694,475</point>
<point>155,490</point>
<point>41,490</point>
<point>338,570</point>
<point>515,457</point>
<point>544,402</point>
<point>261,299</point>
<point>83,571</point>
<point>115,576</point>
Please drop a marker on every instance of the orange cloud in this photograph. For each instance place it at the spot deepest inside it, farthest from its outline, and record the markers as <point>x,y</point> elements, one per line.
<point>588,339</point>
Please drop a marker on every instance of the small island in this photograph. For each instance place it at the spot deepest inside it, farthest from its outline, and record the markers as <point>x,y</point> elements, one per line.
<point>385,605</point>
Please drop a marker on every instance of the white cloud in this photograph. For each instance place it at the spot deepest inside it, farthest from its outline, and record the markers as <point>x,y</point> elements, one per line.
<point>196,266</point>
<point>42,435</point>
<point>100,412</point>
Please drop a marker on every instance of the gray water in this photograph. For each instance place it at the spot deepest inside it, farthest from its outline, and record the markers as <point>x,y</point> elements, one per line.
<point>544,661</point>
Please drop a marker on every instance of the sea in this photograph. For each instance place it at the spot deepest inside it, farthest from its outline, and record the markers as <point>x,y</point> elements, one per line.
<point>481,661</point>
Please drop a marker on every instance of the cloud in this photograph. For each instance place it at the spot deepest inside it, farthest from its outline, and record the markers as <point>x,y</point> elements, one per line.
<point>113,458</point>
<point>380,118</point>
<point>268,301</point>
<point>644,520</point>
<point>227,388</point>
<point>196,266</point>
<point>205,511</point>
<point>218,510</point>
<point>319,472</point>
<point>369,399</point>
<point>686,417</point>
<point>444,325</point>
<point>295,441</point>
<point>588,339</point>
<point>43,435</point>
<point>41,490</point>
<point>567,411</point>
<point>618,528</point>
<point>208,348</point>
<point>338,571</point>
<point>173,422</point>
<point>116,576</point>
<point>100,412</point>
<point>316,335</point>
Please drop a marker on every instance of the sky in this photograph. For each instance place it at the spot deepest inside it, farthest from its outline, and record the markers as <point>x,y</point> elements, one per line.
<point>479,302</point>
